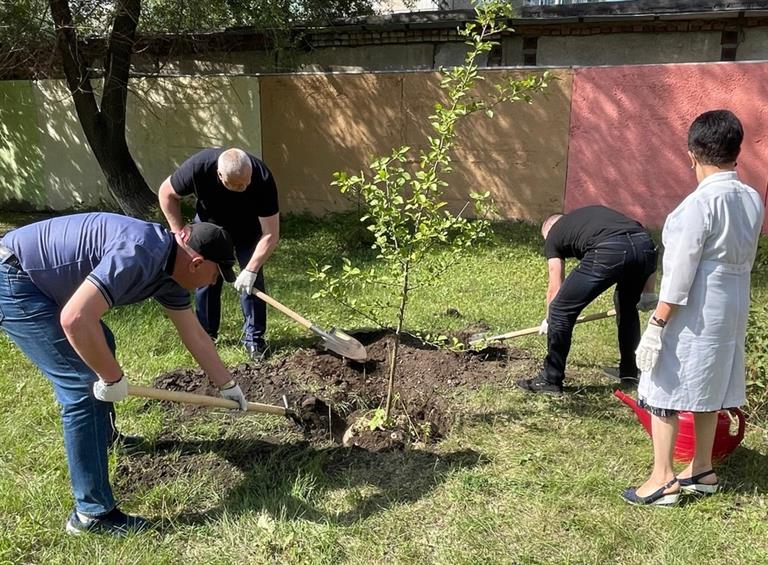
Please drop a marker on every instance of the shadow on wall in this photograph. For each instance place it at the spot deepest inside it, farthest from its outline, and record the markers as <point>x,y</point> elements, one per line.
<point>21,175</point>
<point>169,119</point>
<point>628,135</point>
<point>71,176</point>
<point>317,124</point>
<point>519,155</point>
<point>45,159</point>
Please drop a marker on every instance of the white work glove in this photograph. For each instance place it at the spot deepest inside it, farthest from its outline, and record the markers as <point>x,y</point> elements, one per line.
<point>647,353</point>
<point>648,301</point>
<point>544,327</point>
<point>234,392</point>
<point>245,281</point>
<point>111,392</point>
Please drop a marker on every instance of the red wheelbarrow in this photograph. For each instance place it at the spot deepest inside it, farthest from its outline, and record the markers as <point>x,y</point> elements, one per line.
<point>727,435</point>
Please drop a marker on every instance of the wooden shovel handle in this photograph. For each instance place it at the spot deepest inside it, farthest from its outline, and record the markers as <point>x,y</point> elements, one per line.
<point>579,320</point>
<point>284,309</point>
<point>201,399</point>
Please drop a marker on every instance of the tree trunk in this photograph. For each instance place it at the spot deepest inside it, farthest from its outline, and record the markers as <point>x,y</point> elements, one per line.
<point>393,361</point>
<point>124,179</point>
<point>104,126</point>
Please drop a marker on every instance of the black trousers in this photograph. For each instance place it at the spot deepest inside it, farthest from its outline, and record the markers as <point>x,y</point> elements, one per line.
<point>208,303</point>
<point>626,261</point>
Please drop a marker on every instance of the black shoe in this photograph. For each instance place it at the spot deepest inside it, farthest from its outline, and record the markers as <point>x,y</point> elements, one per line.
<point>125,443</point>
<point>693,485</point>
<point>258,350</point>
<point>657,498</point>
<point>113,523</point>
<point>540,384</point>
<point>630,379</point>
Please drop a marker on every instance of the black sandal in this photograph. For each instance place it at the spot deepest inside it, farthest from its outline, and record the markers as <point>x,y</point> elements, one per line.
<point>657,498</point>
<point>692,484</point>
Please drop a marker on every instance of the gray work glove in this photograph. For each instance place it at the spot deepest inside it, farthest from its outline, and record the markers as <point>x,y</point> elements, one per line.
<point>234,392</point>
<point>245,281</point>
<point>111,392</point>
<point>648,301</point>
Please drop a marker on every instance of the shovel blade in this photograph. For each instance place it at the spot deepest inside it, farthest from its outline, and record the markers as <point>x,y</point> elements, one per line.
<point>342,343</point>
<point>478,339</point>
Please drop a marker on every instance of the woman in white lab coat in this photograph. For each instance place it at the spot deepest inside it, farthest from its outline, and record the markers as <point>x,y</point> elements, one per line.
<point>692,353</point>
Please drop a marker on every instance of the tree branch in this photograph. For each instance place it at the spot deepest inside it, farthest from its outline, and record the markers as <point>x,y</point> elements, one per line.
<point>75,68</point>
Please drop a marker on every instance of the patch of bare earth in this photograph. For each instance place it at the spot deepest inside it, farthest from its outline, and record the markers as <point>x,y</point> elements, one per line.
<point>331,393</point>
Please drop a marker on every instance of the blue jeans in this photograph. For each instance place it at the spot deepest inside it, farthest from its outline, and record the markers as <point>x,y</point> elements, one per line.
<point>208,303</point>
<point>31,320</point>
<point>624,260</point>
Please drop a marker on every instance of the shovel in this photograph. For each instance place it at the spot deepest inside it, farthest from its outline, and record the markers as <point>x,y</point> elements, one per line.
<point>333,339</point>
<point>204,400</point>
<point>478,339</point>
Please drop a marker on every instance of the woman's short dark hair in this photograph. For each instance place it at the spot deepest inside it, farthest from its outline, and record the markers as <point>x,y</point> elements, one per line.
<point>715,137</point>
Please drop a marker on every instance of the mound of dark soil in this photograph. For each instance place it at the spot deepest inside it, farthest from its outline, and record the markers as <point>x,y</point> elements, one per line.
<point>331,394</point>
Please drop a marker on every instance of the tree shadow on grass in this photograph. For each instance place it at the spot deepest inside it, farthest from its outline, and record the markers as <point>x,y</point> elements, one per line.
<point>743,471</point>
<point>289,480</point>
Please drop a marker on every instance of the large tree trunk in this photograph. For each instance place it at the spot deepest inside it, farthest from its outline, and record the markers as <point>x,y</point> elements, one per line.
<point>104,126</point>
<point>125,181</point>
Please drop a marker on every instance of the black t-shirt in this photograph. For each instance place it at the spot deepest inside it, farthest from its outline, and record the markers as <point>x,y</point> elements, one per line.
<point>579,231</point>
<point>236,212</point>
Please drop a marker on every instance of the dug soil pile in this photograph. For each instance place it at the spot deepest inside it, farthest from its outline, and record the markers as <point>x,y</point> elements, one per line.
<point>331,393</point>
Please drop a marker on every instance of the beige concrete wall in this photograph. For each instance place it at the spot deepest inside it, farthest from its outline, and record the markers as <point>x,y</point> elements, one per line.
<point>21,162</point>
<point>628,48</point>
<point>315,125</point>
<point>519,155</point>
<point>169,119</point>
<point>48,163</point>
<point>71,175</point>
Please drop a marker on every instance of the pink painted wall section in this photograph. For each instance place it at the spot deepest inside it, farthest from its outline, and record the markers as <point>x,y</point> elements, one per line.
<point>629,126</point>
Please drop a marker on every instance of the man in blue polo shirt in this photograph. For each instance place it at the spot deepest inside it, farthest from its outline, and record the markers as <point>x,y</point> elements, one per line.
<point>236,191</point>
<point>57,279</point>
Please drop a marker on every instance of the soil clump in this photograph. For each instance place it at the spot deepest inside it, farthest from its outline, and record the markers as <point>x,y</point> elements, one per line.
<point>333,395</point>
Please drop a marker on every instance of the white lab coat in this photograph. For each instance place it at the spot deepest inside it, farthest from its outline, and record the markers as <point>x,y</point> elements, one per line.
<point>710,242</point>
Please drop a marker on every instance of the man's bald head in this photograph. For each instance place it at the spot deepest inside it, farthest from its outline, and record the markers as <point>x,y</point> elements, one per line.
<point>234,169</point>
<point>548,223</point>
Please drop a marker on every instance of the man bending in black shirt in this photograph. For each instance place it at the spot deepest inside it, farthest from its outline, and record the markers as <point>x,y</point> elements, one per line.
<point>236,191</point>
<point>612,249</point>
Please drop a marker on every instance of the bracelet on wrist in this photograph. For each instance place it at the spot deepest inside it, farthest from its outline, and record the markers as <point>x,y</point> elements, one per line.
<point>658,321</point>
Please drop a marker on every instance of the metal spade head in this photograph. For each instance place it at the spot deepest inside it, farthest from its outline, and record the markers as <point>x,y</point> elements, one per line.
<point>342,343</point>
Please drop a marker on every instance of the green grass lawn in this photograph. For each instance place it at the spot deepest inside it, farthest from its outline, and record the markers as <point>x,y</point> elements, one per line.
<point>521,479</point>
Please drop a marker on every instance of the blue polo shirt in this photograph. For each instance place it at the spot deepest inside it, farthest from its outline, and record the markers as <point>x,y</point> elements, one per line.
<point>128,260</point>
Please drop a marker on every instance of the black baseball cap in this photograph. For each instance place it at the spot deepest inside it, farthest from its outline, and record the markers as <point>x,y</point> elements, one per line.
<point>214,244</point>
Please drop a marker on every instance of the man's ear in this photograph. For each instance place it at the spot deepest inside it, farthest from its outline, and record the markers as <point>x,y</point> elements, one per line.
<point>195,263</point>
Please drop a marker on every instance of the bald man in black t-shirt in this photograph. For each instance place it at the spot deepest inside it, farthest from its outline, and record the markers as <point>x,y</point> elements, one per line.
<point>234,190</point>
<point>613,250</point>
